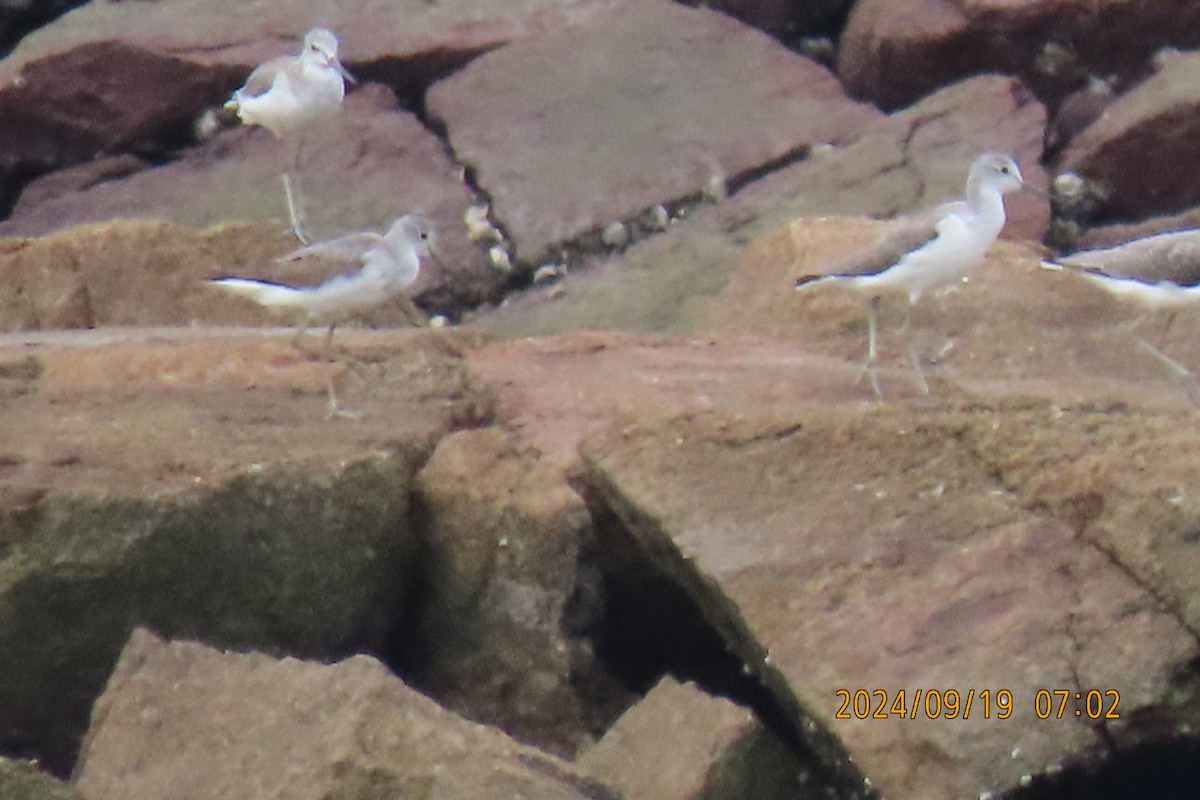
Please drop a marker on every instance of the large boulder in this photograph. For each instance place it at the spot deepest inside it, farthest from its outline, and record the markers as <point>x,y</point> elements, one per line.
<point>202,484</point>
<point>251,726</point>
<point>687,100</point>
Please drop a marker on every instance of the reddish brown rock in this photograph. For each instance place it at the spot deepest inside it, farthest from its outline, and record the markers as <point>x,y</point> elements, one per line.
<point>371,164</point>
<point>682,744</point>
<point>1143,147</point>
<point>882,552</point>
<point>251,726</point>
<point>201,483</point>
<point>893,52</point>
<point>565,151</point>
<point>908,162</point>
<point>506,602</point>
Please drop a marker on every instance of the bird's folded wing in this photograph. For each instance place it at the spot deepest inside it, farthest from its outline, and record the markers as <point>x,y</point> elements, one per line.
<point>1173,257</point>
<point>317,263</point>
<point>263,77</point>
<point>900,238</point>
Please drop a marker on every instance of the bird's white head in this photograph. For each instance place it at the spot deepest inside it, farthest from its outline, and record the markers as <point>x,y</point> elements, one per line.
<point>995,171</point>
<point>321,46</point>
<point>413,230</point>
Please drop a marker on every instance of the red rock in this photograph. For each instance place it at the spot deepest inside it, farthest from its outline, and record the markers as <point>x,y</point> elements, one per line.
<point>363,169</point>
<point>1144,147</point>
<point>645,102</point>
<point>250,726</point>
<point>894,51</point>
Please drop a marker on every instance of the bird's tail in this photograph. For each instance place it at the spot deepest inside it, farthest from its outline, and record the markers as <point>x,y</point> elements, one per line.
<point>271,295</point>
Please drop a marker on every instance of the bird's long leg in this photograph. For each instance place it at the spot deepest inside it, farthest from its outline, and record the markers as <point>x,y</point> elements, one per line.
<point>1162,337</point>
<point>910,353</point>
<point>295,212</point>
<point>871,368</point>
<point>294,219</point>
<point>1174,367</point>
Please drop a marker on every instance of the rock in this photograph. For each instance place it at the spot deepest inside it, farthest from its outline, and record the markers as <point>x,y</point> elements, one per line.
<point>22,780</point>
<point>371,164</point>
<point>682,744</point>
<point>108,75</point>
<point>251,726</point>
<point>653,126</point>
<point>891,53</point>
<point>783,18</point>
<point>131,272</point>
<point>1119,233</point>
<point>198,482</point>
<point>500,630</point>
<point>900,544</point>
<point>910,161</point>
<point>1142,147</point>
<point>93,99</point>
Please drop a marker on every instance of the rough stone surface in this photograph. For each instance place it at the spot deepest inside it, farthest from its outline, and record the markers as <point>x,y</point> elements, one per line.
<point>908,162</point>
<point>890,544</point>
<point>501,618</point>
<point>893,52</point>
<point>1142,148</point>
<point>250,726</point>
<point>22,780</point>
<point>684,97</point>
<point>371,164</point>
<point>200,484</point>
<point>682,744</point>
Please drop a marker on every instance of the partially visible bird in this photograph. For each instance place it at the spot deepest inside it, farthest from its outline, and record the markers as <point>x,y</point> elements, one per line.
<point>1160,272</point>
<point>928,251</point>
<point>331,281</point>
<point>287,95</point>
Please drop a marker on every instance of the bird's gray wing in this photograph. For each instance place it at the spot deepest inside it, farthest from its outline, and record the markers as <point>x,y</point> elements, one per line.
<point>263,76</point>
<point>317,263</point>
<point>1173,257</point>
<point>899,239</point>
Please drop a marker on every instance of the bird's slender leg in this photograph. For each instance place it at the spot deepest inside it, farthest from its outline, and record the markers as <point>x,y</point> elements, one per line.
<point>871,368</point>
<point>294,209</point>
<point>1162,337</point>
<point>294,220</point>
<point>910,353</point>
<point>1174,367</point>
<point>329,337</point>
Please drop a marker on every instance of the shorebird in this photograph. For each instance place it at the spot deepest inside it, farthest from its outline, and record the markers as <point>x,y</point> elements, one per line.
<point>289,94</point>
<point>928,251</point>
<point>331,281</point>
<point>1160,272</point>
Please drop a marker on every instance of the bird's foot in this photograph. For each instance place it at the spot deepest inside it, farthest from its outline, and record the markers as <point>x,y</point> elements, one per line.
<point>871,370</point>
<point>914,362</point>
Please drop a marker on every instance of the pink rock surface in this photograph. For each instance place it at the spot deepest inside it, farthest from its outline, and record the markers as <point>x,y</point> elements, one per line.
<point>893,52</point>
<point>629,105</point>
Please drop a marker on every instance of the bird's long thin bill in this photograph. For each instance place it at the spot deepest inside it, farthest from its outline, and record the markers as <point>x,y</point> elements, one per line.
<point>345,73</point>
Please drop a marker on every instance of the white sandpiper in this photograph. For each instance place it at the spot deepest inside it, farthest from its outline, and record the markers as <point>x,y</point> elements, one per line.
<point>1160,272</point>
<point>928,251</point>
<point>330,281</point>
<point>287,95</point>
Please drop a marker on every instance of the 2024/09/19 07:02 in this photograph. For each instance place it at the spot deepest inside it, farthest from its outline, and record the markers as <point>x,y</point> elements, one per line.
<point>1092,704</point>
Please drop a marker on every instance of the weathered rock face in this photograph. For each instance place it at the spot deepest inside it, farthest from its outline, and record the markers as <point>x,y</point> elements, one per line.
<point>254,727</point>
<point>893,52</point>
<point>21,780</point>
<point>626,120</point>
<point>217,498</point>
<point>680,743</point>
<point>1142,148</point>
<point>363,169</point>
<point>900,564</point>
<point>907,162</point>
<point>502,609</point>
